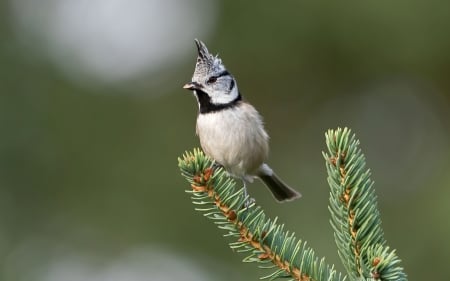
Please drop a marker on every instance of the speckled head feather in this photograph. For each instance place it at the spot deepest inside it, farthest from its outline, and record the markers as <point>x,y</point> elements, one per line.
<point>214,87</point>
<point>207,64</point>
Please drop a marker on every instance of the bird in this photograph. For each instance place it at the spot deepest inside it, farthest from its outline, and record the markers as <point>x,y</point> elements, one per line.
<point>231,131</point>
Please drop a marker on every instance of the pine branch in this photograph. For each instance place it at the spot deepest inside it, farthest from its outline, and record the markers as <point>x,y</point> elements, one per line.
<point>265,241</point>
<point>355,217</point>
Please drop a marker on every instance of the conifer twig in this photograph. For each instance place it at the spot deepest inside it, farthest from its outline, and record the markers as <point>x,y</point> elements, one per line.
<point>265,240</point>
<point>355,216</point>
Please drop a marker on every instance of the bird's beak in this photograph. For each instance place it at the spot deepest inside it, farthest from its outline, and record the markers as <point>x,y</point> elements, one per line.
<point>192,86</point>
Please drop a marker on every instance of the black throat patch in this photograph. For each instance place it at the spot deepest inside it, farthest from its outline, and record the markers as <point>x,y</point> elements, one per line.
<point>206,106</point>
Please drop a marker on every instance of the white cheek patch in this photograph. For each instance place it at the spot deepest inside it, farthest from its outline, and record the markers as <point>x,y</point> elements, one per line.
<point>221,97</point>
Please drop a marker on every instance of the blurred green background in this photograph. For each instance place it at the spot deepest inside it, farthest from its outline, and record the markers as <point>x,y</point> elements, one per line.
<point>93,118</point>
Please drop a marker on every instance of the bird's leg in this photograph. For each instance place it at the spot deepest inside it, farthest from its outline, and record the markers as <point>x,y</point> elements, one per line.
<point>245,189</point>
<point>248,200</point>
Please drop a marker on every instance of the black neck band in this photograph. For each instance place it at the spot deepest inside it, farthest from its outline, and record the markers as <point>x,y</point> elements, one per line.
<point>206,106</point>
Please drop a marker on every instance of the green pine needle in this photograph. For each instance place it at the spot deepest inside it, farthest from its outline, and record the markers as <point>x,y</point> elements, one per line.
<point>264,240</point>
<point>354,212</point>
<point>355,218</point>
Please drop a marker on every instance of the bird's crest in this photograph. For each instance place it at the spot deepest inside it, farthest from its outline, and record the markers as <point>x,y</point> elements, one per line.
<point>207,64</point>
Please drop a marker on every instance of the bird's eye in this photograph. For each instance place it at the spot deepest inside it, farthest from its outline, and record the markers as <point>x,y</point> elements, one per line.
<point>211,79</point>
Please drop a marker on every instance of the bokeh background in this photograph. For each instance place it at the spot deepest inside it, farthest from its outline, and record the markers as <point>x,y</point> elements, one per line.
<point>93,118</point>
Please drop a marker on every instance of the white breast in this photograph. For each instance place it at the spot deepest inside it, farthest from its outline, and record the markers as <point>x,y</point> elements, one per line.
<point>235,138</point>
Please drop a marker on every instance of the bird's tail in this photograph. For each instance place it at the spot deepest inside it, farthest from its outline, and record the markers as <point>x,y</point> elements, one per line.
<point>281,191</point>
